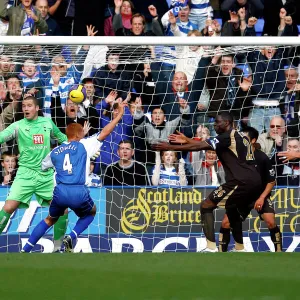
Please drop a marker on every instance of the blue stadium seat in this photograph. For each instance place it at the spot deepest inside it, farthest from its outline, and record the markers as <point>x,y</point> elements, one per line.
<point>259,26</point>
<point>220,21</point>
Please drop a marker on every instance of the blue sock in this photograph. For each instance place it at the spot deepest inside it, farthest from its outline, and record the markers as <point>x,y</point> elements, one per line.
<point>36,234</point>
<point>81,225</point>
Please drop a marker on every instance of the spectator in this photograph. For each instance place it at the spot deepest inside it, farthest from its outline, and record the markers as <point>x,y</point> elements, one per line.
<point>93,179</point>
<point>291,107</point>
<point>91,98</point>
<point>53,28</point>
<point>7,66</point>
<point>208,170</point>
<point>63,12</point>
<point>8,107</point>
<point>275,139</point>
<point>189,57</point>
<point>9,165</point>
<point>126,171</point>
<point>182,22</point>
<point>143,84</point>
<point>138,27</point>
<point>30,74</point>
<point>291,171</point>
<point>271,14</point>
<point>211,28</point>
<point>112,77</point>
<point>200,11</point>
<point>109,109</point>
<point>168,171</point>
<point>253,8</point>
<point>24,19</point>
<point>15,94</point>
<point>228,89</point>
<point>3,92</point>
<point>287,26</point>
<point>267,67</point>
<point>238,25</point>
<point>59,77</point>
<point>72,113</point>
<point>122,18</point>
<point>178,88</point>
<point>158,129</point>
<point>193,158</point>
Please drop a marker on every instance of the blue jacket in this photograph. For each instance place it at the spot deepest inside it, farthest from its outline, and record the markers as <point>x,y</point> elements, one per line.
<point>123,131</point>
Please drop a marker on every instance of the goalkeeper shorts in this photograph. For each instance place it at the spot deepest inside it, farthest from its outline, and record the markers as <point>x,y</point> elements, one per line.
<point>28,183</point>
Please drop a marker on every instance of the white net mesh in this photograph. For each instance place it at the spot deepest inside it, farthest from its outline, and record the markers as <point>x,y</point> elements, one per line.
<point>190,85</point>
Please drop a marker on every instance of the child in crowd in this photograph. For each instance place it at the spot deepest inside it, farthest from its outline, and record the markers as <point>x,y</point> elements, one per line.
<point>167,170</point>
<point>9,165</point>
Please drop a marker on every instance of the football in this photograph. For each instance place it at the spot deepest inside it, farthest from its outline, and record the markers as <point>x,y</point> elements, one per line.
<point>77,93</point>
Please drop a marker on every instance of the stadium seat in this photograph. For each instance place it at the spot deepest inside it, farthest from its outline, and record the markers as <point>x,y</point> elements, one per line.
<point>220,21</point>
<point>259,26</point>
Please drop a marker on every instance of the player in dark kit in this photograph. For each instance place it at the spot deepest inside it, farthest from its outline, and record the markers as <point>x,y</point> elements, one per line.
<point>242,179</point>
<point>263,204</point>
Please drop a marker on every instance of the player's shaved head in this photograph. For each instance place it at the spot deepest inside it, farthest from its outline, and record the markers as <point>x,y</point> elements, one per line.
<point>226,116</point>
<point>74,131</point>
<point>33,99</point>
<point>223,122</point>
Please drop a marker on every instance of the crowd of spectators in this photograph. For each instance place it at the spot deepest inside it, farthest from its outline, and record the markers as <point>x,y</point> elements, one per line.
<point>166,88</point>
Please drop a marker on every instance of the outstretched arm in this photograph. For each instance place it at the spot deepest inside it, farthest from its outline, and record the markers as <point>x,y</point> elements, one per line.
<point>164,146</point>
<point>187,144</point>
<point>289,155</point>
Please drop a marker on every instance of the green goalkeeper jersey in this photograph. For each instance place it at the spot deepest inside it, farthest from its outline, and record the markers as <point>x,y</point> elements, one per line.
<point>33,138</point>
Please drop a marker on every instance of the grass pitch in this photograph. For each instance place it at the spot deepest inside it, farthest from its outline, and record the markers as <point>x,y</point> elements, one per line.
<point>166,276</point>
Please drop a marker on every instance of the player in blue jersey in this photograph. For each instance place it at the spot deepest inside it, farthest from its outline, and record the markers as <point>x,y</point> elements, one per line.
<point>71,161</point>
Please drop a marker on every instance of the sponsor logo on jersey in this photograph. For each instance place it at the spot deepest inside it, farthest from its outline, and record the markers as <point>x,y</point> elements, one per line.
<point>272,172</point>
<point>213,143</point>
<point>38,139</point>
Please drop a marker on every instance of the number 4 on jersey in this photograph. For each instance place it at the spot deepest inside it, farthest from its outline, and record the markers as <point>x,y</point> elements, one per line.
<point>67,166</point>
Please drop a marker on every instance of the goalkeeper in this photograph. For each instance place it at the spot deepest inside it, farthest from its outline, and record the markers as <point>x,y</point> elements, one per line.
<point>33,134</point>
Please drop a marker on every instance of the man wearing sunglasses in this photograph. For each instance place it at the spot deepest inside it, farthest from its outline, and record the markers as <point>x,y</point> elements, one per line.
<point>274,140</point>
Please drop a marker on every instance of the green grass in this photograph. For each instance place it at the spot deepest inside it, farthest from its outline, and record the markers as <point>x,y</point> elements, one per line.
<point>174,276</point>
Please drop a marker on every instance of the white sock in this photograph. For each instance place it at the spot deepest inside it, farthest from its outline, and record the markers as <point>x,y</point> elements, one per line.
<point>57,244</point>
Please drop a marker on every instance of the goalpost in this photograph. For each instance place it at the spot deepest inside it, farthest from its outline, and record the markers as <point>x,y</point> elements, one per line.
<point>153,218</point>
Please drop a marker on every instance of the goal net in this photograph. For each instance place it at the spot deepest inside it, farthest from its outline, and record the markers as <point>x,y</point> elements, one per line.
<point>150,201</point>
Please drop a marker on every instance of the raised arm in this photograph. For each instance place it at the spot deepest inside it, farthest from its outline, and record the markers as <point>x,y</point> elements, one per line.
<point>54,7</point>
<point>3,9</point>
